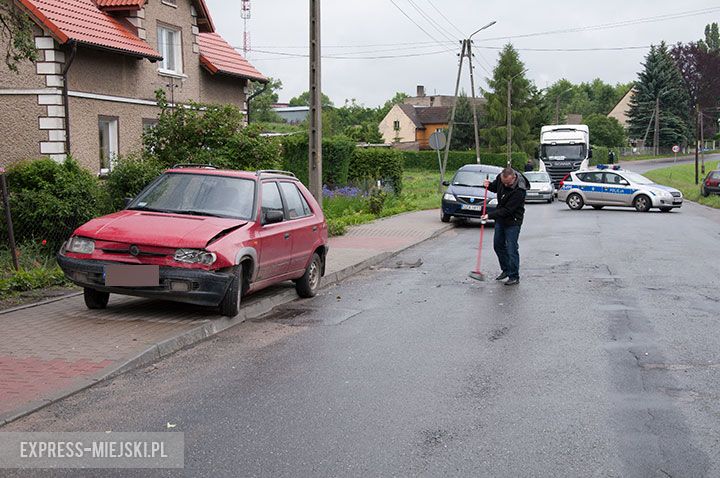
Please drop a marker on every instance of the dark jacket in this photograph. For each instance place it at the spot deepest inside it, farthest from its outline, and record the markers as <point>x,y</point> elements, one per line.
<point>511,201</point>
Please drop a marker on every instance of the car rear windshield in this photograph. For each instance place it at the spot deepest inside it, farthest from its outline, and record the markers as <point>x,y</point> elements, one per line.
<point>200,195</point>
<point>472,178</point>
<point>537,177</point>
<point>715,175</point>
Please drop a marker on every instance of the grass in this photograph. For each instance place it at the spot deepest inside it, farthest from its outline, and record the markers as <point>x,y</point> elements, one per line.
<point>420,192</point>
<point>38,270</point>
<point>682,177</point>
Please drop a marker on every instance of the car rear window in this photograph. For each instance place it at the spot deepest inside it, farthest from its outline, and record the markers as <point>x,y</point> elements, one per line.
<point>715,175</point>
<point>296,204</point>
<point>591,177</point>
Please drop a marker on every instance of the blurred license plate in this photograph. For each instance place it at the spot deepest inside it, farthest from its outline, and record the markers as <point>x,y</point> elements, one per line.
<point>126,275</point>
<point>468,207</point>
<point>677,201</point>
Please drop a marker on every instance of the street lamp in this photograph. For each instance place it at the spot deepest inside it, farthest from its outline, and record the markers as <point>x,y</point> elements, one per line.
<point>472,86</point>
<point>557,104</point>
<point>509,116</point>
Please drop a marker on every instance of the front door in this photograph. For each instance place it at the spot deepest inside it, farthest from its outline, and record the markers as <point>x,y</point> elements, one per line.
<point>616,190</point>
<point>275,239</point>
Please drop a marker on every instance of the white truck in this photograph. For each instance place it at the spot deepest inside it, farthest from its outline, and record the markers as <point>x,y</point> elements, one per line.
<point>564,148</point>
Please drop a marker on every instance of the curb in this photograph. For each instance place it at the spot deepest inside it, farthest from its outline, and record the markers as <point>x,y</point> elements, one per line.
<point>198,334</point>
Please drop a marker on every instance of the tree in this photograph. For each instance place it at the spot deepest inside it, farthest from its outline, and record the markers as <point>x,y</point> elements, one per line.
<point>383,110</point>
<point>463,137</point>
<point>660,80</point>
<point>596,97</point>
<point>712,37</point>
<point>304,100</point>
<point>525,112</point>
<point>16,32</point>
<point>261,105</point>
<point>605,131</point>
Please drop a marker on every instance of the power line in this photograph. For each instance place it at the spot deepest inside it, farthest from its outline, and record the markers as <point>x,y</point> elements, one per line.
<point>336,57</point>
<point>416,23</point>
<point>444,32</point>
<point>446,18</point>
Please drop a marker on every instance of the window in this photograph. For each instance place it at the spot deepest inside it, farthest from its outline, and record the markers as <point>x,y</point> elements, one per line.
<point>296,204</point>
<point>108,135</point>
<point>591,177</point>
<point>271,200</point>
<point>149,123</point>
<point>396,125</point>
<point>170,46</point>
<point>612,178</point>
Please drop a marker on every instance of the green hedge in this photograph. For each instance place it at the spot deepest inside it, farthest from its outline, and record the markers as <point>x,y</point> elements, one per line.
<point>372,164</point>
<point>428,160</point>
<point>337,155</point>
<point>128,177</point>
<point>600,155</point>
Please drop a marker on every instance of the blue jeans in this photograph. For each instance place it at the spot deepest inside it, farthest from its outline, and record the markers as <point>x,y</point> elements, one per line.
<point>507,250</point>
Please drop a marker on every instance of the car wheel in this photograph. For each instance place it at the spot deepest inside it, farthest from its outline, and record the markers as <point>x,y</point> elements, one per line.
<point>704,192</point>
<point>95,299</point>
<point>230,305</point>
<point>665,209</point>
<point>598,207</point>
<point>642,203</point>
<point>445,217</point>
<point>308,284</point>
<point>575,201</point>
<point>549,201</point>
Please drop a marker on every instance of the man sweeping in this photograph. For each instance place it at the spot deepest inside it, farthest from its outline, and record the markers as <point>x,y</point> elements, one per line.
<point>510,187</point>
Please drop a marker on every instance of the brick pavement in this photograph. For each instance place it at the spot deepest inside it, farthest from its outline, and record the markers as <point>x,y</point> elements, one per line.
<point>51,350</point>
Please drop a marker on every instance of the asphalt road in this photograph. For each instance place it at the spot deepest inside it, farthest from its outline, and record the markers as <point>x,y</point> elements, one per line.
<point>602,362</point>
<point>647,165</point>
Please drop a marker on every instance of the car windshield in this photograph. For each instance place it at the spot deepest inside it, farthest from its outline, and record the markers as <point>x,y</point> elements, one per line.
<point>472,178</point>
<point>537,177</point>
<point>199,195</point>
<point>637,178</point>
<point>559,152</point>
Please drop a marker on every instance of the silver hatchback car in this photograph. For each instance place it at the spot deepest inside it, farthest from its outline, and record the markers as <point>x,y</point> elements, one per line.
<point>602,186</point>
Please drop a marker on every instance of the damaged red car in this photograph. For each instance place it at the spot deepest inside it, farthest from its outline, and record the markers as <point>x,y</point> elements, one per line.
<point>203,236</point>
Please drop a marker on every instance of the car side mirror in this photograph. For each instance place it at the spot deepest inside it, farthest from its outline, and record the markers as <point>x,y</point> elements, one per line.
<point>273,216</point>
<point>446,183</point>
<point>127,201</point>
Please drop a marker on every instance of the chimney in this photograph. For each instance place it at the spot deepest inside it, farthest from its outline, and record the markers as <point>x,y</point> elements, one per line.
<point>420,91</point>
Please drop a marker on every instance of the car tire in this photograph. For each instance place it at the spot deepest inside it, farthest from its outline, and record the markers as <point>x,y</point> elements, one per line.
<point>598,207</point>
<point>95,299</point>
<point>549,201</point>
<point>642,203</point>
<point>309,283</point>
<point>704,192</point>
<point>445,217</point>
<point>575,201</point>
<point>665,209</point>
<point>230,305</point>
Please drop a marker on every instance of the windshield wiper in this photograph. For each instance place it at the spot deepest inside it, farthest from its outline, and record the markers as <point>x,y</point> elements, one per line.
<point>191,212</point>
<point>149,209</point>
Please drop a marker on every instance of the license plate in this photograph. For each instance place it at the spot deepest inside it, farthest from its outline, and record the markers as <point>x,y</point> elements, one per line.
<point>468,207</point>
<point>128,275</point>
<point>677,201</point>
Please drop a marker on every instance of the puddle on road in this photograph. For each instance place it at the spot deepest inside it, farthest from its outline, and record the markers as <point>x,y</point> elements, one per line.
<point>295,316</point>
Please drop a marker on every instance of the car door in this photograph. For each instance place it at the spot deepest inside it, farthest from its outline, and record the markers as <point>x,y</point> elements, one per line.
<point>304,223</point>
<point>275,239</point>
<point>593,187</point>
<point>616,190</point>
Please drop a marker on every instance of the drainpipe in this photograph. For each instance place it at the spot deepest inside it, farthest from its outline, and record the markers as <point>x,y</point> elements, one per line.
<point>252,97</point>
<point>66,96</point>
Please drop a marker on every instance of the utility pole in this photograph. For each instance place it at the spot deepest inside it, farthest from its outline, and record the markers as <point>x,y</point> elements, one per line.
<point>452,115</point>
<point>702,140</point>
<point>315,152</point>
<point>656,137</point>
<point>509,122</point>
<point>697,137</point>
<point>474,106</point>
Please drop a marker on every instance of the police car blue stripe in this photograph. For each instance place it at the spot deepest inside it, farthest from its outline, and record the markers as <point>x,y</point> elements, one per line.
<point>600,189</point>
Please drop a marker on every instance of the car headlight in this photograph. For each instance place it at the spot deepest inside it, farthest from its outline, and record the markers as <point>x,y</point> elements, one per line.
<point>492,202</point>
<point>195,256</point>
<point>449,197</point>
<point>547,189</point>
<point>80,245</point>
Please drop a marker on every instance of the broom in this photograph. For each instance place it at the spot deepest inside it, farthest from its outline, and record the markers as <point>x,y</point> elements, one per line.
<point>476,274</point>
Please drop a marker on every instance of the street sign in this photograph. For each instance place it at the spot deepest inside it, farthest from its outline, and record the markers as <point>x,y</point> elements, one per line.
<point>676,149</point>
<point>437,140</point>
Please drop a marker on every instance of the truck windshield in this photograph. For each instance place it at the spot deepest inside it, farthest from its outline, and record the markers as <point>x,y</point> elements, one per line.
<point>560,152</point>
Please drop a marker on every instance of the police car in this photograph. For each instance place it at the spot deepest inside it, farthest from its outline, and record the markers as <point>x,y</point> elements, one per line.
<point>604,186</point>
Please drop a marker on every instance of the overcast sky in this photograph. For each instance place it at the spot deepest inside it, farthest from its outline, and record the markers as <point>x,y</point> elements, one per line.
<point>373,28</point>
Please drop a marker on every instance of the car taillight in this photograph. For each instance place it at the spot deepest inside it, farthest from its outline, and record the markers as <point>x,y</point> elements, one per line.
<point>712,182</point>
<point>562,181</point>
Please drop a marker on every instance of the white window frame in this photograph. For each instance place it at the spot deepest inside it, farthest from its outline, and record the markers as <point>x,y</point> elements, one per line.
<point>113,138</point>
<point>171,51</point>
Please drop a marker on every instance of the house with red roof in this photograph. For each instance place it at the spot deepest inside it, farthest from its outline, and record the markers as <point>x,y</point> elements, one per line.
<point>91,92</point>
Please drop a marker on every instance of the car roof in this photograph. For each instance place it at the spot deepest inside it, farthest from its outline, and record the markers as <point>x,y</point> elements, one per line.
<point>483,168</point>
<point>230,172</point>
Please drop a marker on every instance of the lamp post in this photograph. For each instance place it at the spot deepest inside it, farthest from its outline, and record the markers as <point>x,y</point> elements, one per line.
<point>472,87</point>
<point>509,117</point>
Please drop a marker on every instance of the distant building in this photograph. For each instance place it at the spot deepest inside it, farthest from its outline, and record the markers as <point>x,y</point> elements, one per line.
<point>622,109</point>
<point>292,114</point>
<point>439,100</point>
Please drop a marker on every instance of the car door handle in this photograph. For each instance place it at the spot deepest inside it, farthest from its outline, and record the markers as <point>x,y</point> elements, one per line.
<point>287,235</point>
<point>315,228</point>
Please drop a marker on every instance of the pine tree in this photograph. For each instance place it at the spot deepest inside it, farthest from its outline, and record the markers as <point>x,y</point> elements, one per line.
<point>661,80</point>
<point>463,137</point>
<point>524,105</point>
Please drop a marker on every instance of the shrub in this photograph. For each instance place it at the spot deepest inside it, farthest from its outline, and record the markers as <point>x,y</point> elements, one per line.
<point>376,201</point>
<point>427,160</point>
<point>337,153</point>
<point>600,155</point>
<point>49,200</point>
<point>373,164</point>
<point>38,278</point>
<point>129,176</point>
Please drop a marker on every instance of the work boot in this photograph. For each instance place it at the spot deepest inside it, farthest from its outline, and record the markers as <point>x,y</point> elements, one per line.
<point>513,282</point>
<point>502,276</point>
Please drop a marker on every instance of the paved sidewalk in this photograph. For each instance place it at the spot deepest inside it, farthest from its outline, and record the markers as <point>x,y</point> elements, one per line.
<point>52,350</point>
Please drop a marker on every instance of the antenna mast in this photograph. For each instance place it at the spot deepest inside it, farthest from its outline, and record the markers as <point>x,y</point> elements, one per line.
<point>246,15</point>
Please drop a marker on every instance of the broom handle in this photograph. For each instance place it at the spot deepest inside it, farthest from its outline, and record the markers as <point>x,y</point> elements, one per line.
<point>482,233</point>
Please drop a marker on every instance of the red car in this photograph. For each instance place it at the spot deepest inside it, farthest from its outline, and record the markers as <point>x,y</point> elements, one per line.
<point>203,236</point>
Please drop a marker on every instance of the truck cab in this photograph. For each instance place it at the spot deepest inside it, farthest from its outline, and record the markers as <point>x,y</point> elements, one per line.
<point>564,149</point>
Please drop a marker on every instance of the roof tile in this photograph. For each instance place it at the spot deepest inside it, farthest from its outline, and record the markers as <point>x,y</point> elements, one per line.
<point>217,56</point>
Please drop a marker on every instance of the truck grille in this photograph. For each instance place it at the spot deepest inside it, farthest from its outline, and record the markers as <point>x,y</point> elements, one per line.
<point>557,173</point>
